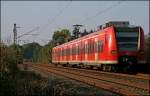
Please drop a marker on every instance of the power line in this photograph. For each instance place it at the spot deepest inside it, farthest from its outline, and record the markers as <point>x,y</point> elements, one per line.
<point>55,17</point>
<point>102,12</point>
<point>86,19</point>
<point>27,33</point>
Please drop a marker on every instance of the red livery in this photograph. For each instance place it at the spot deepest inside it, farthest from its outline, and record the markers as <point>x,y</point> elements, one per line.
<point>117,44</point>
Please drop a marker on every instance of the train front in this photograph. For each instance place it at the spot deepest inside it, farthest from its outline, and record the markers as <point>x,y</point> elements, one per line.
<point>130,44</point>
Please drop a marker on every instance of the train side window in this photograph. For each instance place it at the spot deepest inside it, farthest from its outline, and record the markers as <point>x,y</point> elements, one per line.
<point>77,50</point>
<point>100,46</point>
<point>86,48</point>
<point>64,52</point>
<point>53,54</point>
<point>83,51</point>
<point>60,52</point>
<point>71,51</point>
<point>56,53</point>
<point>89,47</point>
<point>92,47</point>
<point>68,52</point>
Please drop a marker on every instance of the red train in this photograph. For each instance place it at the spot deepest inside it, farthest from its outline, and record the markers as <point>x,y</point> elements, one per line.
<point>116,45</point>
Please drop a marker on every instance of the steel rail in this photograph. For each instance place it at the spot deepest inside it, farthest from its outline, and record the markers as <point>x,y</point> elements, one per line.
<point>116,83</point>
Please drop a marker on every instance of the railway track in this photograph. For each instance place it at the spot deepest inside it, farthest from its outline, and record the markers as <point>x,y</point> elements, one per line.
<point>119,83</point>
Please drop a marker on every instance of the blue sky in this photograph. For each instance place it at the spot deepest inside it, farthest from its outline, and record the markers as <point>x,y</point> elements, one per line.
<point>56,15</point>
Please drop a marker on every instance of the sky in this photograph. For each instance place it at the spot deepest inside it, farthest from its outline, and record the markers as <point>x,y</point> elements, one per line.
<point>48,16</point>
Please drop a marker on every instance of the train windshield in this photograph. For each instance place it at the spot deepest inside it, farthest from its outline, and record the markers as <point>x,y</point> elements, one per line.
<point>127,39</point>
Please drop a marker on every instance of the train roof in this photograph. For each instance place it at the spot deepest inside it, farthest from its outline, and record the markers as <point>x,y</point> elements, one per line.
<point>78,39</point>
<point>115,24</point>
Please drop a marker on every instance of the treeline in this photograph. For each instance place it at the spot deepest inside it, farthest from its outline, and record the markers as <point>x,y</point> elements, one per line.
<point>36,53</point>
<point>13,81</point>
<point>14,54</point>
<point>10,56</point>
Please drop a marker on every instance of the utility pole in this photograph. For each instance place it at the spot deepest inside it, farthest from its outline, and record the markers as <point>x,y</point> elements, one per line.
<point>76,29</point>
<point>15,33</point>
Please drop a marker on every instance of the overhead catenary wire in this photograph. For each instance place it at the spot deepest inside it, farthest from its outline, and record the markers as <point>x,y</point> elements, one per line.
<point>101,12</point>
<point>88,19</point>
<point>55,17</point>
<point>28,33</point>
<point>39,29</point>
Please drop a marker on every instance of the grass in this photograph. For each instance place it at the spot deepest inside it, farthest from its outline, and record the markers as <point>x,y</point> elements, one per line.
<point>26,83</point>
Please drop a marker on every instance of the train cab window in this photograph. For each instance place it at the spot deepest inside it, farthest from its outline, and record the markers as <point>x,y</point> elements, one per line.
<point>127,38</point>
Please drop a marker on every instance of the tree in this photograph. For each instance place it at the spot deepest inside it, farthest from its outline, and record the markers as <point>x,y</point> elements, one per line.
<point>76,32</point>
<point>84,32</point>
<point>19,52</point>
<point>9,57</point>
<point>60,37</point>
<point>30,50</point>
<point>44,54</point>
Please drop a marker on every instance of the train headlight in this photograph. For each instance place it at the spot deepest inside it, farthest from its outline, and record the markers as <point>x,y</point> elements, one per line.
<point>113,52</point>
